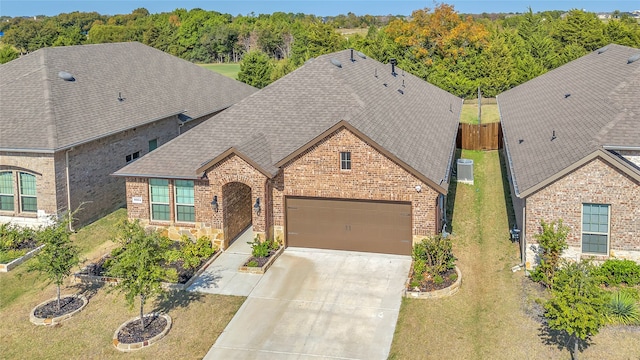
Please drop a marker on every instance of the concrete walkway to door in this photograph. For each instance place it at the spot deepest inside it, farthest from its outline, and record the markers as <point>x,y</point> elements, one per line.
<point>222,276</point>
<point>319,304</point>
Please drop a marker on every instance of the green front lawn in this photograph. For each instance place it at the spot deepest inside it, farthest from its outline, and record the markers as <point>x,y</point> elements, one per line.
<point>198,319</point>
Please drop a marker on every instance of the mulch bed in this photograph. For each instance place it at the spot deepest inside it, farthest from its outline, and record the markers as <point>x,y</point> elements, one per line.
<point>50,309</point>
<point>261,260</point>
<point>97,268</point>
<point>131,333</point>
<point>427,285</point>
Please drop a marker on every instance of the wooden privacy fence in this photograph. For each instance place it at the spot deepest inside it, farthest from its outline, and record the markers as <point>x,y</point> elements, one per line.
<point>479,137</point>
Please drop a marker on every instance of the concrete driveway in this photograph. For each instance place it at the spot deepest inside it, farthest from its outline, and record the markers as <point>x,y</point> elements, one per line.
<point>319,304</point>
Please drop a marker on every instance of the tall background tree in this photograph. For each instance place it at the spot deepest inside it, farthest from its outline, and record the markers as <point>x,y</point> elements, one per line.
<point>453,51</point>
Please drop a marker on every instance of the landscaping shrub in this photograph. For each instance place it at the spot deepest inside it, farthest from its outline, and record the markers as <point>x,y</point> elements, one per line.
<point>14,237</point>
<point>622,309</point>
<point>7,256</point>
<point>436,253</point>
<point>192,252</point>
<point>263,248</point>
<point>614,272</point>
<point>552,241</point>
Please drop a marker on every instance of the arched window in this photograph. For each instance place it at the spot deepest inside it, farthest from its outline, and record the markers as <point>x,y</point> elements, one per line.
<point>28,199</point>
<point>7,198</point>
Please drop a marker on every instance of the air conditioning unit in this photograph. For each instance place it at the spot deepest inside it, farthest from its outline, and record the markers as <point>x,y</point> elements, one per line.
<point>464,170</point>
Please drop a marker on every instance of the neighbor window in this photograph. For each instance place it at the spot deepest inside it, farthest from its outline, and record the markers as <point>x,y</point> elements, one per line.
<point>153,144</point>
<point>28,199</point>
<point>159,189</point>
<point>6,191</point>
<point>595,228</point>
<point>129,158</point>
<point>185,210</point>
<point>345,160</point>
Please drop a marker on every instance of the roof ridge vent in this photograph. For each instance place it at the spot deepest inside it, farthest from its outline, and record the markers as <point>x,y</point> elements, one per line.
<point>336,62</point>
<point>361,55</point>
<point>66,76</point>
<point>633,58</point>
<point>603,49</point>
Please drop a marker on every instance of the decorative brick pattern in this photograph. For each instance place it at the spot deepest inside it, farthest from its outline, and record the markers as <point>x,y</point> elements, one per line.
<point>596,182</point>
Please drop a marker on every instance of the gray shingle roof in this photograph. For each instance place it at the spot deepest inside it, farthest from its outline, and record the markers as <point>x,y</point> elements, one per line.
<point>59,113</point>
<point>591,102</point>
<point>418,126</point>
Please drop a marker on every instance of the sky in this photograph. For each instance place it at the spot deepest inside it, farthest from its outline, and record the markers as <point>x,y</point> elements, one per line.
<point>320,8</point>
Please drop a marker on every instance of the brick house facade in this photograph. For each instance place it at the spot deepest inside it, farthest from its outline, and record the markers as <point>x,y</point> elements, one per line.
<point>71,116</point>
<point>328,157</point>
<point>572,149</point>
<point>91,186</point>
<point>314,173</point>
<point>596,182</point>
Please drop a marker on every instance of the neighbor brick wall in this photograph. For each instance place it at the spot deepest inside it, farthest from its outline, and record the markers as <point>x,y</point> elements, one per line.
<point>373,176</point>
<point>91,166</point>
<point>596,182</point>
<point>40,165</point>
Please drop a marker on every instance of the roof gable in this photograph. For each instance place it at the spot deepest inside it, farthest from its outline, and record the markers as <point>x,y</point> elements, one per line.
<point>115,87</point>
<point>557,119</point>
<point>412,120</point>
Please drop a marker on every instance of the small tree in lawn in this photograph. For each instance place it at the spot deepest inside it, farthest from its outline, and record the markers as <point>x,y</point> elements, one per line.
<point>577,305</point>
<point>58,256</point>
<point>552,241</point>
<point>139,264</point>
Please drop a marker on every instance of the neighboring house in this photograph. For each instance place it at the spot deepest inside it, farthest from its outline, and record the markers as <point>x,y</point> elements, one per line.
<point>71,116</point>
<point>572,145</point>
<point>344,153</point>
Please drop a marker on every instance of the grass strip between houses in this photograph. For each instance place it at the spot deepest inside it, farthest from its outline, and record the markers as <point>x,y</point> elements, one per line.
<point>486,319</point>
<point>198,319</point>
<point>469,114</point>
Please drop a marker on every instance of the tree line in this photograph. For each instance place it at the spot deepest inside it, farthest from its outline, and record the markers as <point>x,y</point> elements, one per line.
<point>454,51</point>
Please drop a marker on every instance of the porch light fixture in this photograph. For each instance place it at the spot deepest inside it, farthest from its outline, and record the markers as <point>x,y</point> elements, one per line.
<point>214,203</point>
<point>256,206</point>
<point>418,188</point>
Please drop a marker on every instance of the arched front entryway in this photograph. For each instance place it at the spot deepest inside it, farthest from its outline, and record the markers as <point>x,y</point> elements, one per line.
<point>236,209</point>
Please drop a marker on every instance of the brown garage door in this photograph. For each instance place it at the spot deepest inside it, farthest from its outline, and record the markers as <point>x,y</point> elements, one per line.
<point>371,226</point>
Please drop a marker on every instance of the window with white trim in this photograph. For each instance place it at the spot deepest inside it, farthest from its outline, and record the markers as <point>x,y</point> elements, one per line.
<point>345,160</point>
<point>159,194</point>
<point>595,229</point>
<point>28,199</point>
<point>184,195</point>
<point>6,191</point>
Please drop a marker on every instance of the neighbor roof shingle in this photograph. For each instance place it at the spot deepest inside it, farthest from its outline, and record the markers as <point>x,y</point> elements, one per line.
<point>588,103</point>
<point>412,119</point>
<point>41,111</point>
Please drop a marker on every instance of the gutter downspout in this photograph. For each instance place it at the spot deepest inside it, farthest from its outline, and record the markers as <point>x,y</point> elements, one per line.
<point>523,237</point>
<point>66,154</point>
